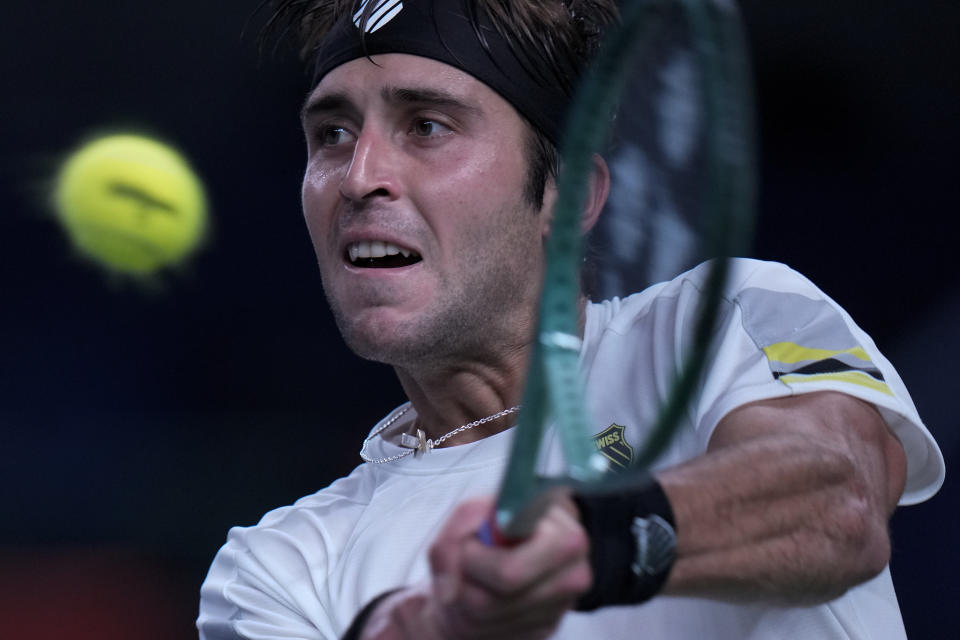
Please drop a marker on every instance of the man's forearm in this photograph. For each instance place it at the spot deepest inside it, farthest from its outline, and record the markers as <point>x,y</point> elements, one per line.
<point>787,506</point>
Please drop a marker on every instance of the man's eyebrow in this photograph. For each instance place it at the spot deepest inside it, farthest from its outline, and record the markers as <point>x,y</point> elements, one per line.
<point>392,95</point>
<point>427,97</point>
<point>324,104</point>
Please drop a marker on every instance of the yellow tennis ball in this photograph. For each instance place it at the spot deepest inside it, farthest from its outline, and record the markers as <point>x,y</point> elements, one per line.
<point>131,203</point>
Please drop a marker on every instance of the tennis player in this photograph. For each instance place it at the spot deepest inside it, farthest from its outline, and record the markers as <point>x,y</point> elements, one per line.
<point>431,133</point>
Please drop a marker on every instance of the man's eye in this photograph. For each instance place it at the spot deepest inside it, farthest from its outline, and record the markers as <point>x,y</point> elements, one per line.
<point>428,128</point>
<point>332,136</point>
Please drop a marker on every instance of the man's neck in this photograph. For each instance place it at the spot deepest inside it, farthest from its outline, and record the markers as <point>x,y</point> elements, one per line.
<point>448,396</point>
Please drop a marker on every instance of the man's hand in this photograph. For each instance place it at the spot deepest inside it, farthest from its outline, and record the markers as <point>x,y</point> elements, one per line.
<point>477,592</point>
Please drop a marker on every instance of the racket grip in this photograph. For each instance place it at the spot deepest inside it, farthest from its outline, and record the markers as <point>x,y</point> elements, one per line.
<point>522,523</point>
<point>491,535</point>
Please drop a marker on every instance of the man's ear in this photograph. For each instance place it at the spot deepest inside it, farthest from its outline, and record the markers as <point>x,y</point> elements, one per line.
<point>599,189</point>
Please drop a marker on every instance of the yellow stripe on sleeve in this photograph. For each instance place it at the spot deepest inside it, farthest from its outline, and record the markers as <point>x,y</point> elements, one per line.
<point>854,377</point>
<point>790,352</point>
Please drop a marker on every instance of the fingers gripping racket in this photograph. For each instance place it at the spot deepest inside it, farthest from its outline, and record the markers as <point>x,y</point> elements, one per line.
<point>719,181</point>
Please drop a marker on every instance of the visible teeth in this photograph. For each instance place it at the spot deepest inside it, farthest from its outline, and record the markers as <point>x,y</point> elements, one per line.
<point>375,249</point>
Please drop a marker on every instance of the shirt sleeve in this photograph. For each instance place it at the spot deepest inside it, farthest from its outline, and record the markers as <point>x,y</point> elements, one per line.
<point>781,336</point>
<point>260,587</point>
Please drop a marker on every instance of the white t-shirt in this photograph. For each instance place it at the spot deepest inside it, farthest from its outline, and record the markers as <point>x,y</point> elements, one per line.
<point>305,570</point>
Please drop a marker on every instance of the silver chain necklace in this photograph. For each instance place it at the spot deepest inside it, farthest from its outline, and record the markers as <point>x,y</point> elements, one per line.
<point>420,444</point>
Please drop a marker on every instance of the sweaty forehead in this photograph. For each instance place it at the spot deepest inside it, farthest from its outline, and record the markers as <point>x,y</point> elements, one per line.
<point>397,78</point>
<point>399,67</point>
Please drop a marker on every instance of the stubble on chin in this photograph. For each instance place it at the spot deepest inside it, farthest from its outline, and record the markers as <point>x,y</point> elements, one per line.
<point>427,343</point>
<point>464,328</point>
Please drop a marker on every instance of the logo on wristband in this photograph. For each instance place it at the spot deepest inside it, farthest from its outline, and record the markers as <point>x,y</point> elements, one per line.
<point>612,443</point>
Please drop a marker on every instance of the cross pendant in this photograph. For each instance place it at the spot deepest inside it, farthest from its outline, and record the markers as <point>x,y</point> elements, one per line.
<point>424,443</point>
<point>420,444</point>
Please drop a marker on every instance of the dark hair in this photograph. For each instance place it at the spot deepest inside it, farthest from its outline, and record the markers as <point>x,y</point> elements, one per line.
<point>555,38</point>
<point>543,161</point>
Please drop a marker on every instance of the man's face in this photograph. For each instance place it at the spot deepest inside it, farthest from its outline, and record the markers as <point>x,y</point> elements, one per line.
<point>414,199</point>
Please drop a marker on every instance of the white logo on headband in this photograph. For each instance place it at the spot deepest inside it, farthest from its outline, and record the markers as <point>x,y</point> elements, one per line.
<point>383,12</point>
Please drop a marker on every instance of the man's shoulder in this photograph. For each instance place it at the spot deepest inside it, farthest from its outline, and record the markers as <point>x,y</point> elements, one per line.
<point>286,557</point>
<point>742,273</point>
<point>680,295</point>
<point>332,510</point>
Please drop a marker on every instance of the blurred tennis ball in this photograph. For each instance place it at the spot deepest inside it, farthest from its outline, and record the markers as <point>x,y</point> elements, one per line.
<point>131,203</point>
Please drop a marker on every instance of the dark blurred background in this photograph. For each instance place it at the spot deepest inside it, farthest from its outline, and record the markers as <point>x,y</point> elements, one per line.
<point>138,424</point>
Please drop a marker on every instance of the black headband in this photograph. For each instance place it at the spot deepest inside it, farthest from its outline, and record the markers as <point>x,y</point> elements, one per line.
<point>444,30</point>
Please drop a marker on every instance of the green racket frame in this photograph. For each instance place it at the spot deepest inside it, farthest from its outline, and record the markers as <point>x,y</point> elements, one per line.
<point>554,388</point>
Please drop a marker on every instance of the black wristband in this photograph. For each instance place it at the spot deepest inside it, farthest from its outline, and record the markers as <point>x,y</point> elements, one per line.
<point>632,536</point>
<point>356,627</point>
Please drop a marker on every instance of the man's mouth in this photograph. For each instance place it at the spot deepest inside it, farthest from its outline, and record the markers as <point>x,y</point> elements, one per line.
<point>380,255</point>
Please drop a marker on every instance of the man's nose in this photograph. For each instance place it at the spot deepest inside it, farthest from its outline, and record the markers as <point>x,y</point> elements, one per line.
<point>373,169</point>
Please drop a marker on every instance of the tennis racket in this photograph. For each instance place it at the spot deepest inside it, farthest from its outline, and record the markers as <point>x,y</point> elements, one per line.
<point>672,83</point>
